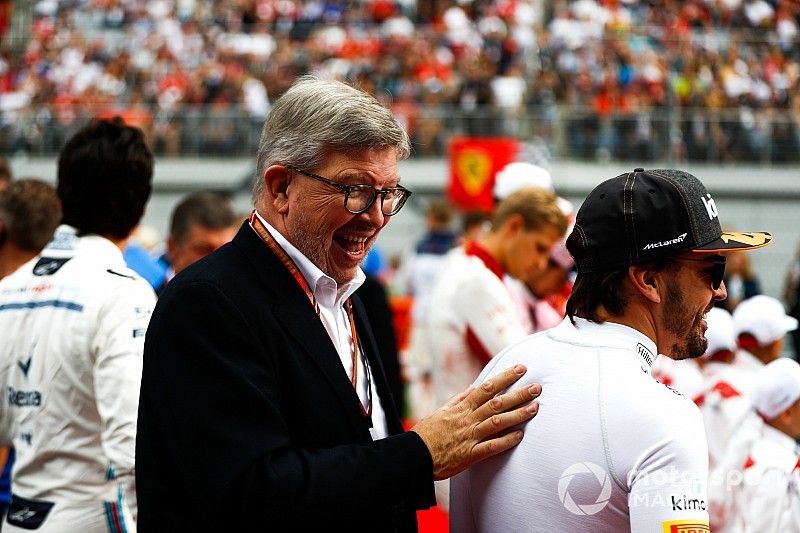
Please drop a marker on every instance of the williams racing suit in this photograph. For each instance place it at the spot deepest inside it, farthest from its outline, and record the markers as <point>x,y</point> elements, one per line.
<point>611,449</point>
<point>72,329</point>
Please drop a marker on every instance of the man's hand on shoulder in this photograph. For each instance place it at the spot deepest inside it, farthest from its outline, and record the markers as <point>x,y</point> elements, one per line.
<point>474,425</point>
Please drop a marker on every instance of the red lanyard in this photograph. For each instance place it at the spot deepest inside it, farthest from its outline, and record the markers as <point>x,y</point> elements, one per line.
<point>356,352</point>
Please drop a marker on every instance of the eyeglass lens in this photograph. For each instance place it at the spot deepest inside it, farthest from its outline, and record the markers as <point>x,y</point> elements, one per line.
<point>717,274</point>
<point>359,199</point>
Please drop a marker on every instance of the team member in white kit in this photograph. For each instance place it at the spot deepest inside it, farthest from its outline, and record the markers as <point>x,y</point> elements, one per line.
<point>72,329</point>
<point>612,449</point>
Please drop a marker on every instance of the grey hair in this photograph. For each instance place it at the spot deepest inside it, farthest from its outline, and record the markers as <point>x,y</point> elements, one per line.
<point>316,116</point>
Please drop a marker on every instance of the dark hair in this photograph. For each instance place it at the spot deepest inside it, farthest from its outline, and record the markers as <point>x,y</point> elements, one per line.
<point>105,176</point>
<point>593,290</point>
<point>477,218</point>
<point>30,212</point>
<point>207,209</point>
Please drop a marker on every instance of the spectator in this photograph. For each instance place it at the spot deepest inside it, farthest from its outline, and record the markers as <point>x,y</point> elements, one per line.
<point>185,72</point>
<point>200,223</point>
<point>300,432</point>
<point>72,325</point>
<point>640,291</point>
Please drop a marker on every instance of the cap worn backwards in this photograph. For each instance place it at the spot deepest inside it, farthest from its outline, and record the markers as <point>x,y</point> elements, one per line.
<point>642,216</point>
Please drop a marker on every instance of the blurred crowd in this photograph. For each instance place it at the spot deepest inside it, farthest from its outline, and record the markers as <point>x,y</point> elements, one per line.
<point>713,80</point>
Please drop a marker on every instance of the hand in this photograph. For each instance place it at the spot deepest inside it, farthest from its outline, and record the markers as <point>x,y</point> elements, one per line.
<point>472,425</point>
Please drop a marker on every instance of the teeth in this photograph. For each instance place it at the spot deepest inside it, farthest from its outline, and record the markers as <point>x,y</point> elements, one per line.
<point>357,240</point>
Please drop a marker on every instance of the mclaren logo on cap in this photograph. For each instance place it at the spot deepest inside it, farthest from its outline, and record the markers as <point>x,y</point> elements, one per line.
<point>661,244</point>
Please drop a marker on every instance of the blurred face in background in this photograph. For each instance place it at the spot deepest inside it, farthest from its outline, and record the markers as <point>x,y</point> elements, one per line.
<point>198,243</point>
<point>527,251</point>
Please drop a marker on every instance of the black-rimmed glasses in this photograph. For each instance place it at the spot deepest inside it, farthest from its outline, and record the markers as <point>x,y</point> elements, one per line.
<point>359,198</point>
<point>717,264</point>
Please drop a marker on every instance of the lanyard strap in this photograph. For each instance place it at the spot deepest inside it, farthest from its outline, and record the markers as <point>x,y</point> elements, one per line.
<point>273,245</point>
<point>356,352</point>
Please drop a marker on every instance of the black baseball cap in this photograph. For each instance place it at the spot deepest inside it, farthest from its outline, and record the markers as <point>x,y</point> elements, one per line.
<point>646,215</point>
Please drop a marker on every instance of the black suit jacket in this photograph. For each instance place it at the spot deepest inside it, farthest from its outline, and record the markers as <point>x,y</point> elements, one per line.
<point>247,419</point>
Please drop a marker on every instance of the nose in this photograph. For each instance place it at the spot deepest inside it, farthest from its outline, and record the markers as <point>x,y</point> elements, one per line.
<point>375,212</point>
<point>541,262</point>
<point>721,293</point>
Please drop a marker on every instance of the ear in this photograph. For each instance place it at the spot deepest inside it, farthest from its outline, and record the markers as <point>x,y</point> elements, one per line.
<point>276,178</point>
<point>646,282</point>
<point>513,224</point>
<point>172,245</point>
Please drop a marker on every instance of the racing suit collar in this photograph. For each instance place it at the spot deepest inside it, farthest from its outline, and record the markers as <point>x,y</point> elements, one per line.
<point>614,334</point>
<point>473,248</point>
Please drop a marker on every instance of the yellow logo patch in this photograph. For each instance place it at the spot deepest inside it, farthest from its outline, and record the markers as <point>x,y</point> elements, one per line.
<point>686,526</point>
<point>750,239</point>
<point>474,166</point>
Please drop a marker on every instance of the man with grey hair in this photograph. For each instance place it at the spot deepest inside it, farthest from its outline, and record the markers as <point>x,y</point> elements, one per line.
<point>264,405</point>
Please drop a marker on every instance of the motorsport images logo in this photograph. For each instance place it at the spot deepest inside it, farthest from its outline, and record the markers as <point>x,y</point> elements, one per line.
<point>584,509</point>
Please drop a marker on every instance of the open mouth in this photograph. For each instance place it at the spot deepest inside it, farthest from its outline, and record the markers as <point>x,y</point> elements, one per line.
<point>353,245</point>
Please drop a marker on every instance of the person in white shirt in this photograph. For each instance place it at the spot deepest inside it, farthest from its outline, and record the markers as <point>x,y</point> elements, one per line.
<point>766,498</point>
<point>760,324</point>
<point>471,314</point>
<point>536,294</point>
<point>614,450</point>
<point>725,406</point>
<point>72,329</point>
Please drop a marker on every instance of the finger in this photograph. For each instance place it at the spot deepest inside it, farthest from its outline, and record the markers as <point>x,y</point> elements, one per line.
<point>508,401</point>
<point>496,445</point>
<point>498,424</point>
<point>489,388</point>
<point>459,397</point>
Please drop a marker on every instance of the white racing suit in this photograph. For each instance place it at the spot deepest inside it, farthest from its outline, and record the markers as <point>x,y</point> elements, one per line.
<point>611,449</point>
<point>72,329</point>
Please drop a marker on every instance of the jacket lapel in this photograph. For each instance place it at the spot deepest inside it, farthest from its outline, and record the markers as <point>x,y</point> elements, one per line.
<point>393,422</point>
<point>291,306</point>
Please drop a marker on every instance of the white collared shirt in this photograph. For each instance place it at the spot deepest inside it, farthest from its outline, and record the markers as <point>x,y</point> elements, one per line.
<point>337,324</point>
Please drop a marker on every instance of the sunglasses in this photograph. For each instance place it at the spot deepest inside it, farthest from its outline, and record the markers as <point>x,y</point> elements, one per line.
<point>717,268</point>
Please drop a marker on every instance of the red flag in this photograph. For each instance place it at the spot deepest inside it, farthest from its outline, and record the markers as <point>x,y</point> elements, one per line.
<point>474,161</point>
